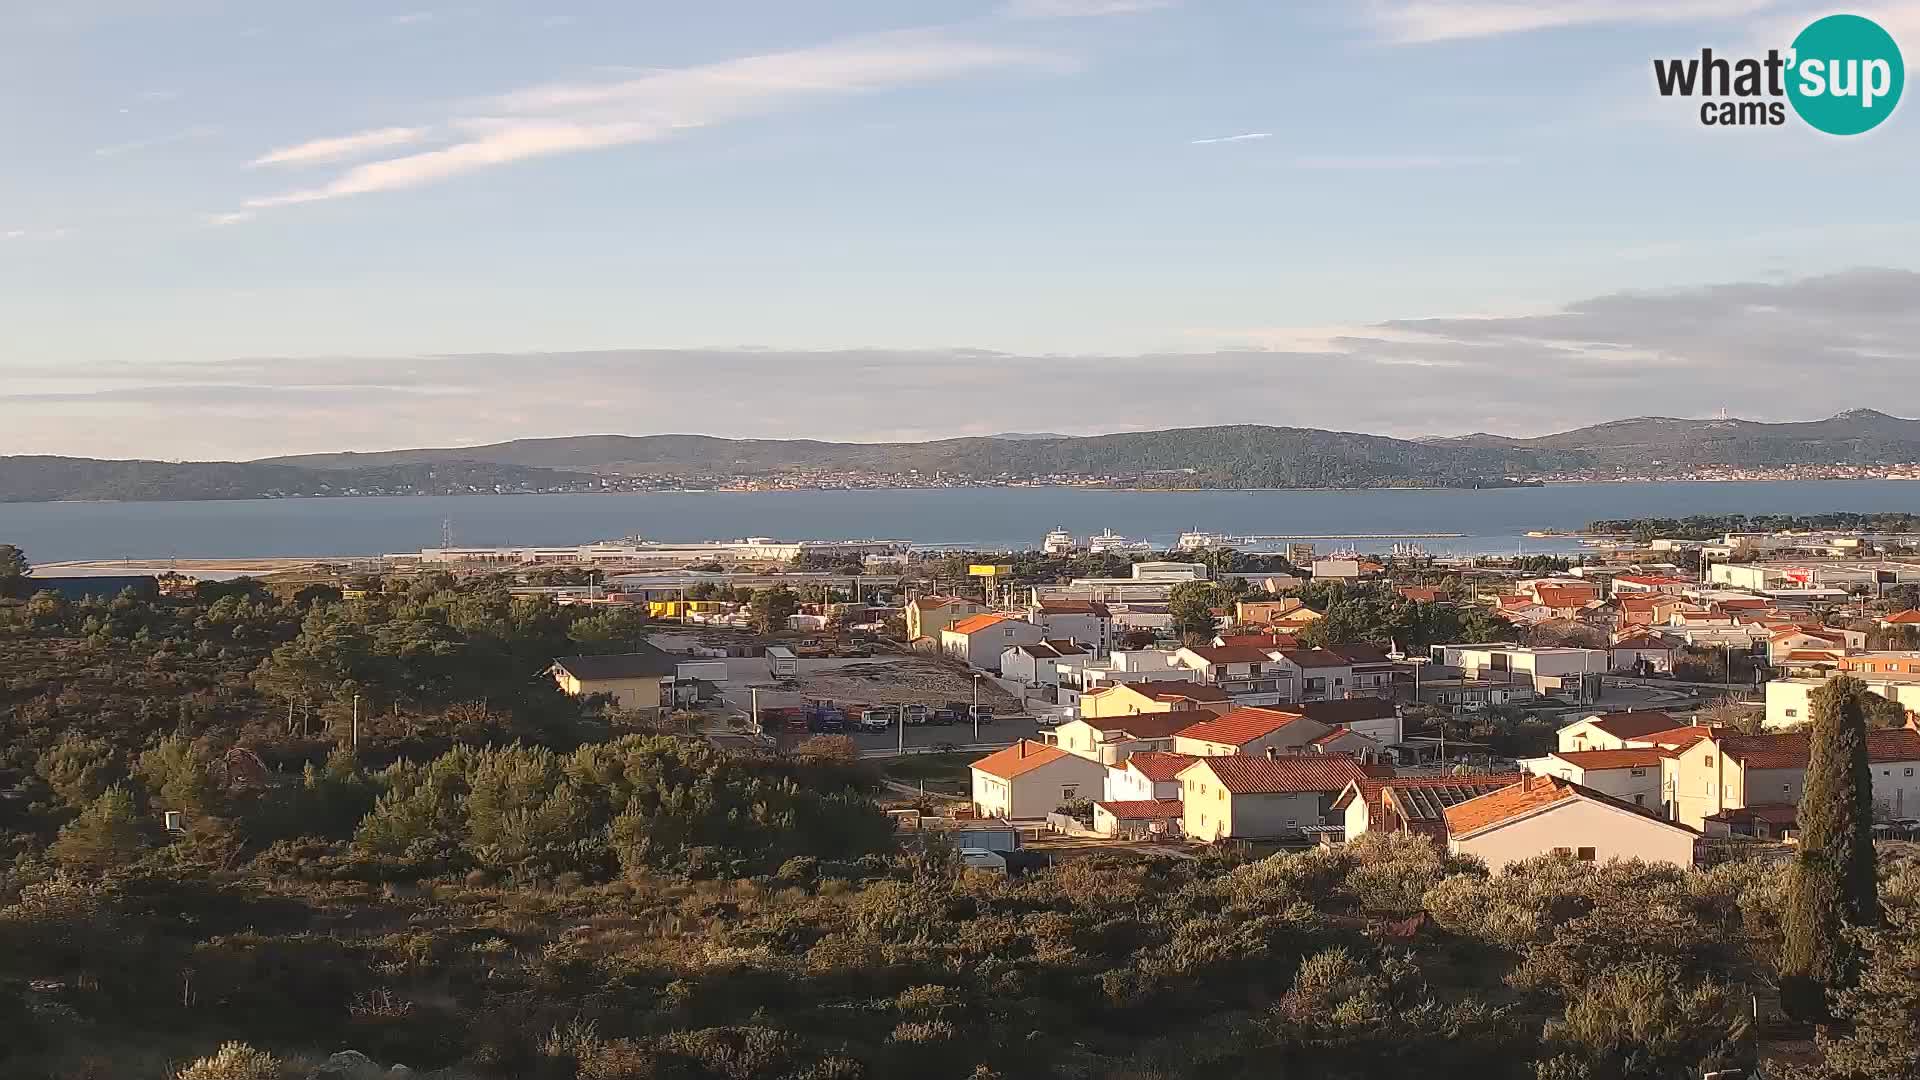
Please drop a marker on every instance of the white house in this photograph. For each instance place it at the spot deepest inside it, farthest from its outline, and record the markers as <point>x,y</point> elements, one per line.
<point>1377,718</point>
<point>1613,731</point>
<point>979,640</point>
<point>1040,663</point>
<point>1112,740</point>
<point>1029,780</point>
<point>1543,815</point>
<point>1631,775</point>
<point>1790,701</point>
<point>1249,674</point>
<point>1084,622</point>
<point>1145,776</point>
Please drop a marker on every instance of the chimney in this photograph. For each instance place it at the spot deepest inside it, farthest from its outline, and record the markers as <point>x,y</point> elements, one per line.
<point>1273,753</point>
<point>1023,748</point>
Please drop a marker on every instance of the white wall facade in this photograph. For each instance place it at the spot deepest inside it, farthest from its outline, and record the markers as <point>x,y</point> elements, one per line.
<point>1582,826</point>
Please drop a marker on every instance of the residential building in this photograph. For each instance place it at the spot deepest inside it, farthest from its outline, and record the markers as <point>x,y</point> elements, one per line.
<point>1790,700</point>
<point>1241,797</point>
<point>1249,731</point>
<point>1375,717</point>
<point>1321,674</point>
<point>1040,663</point>
<point>1147,775</point>
<point>1410,803</point>
<point>929,615</point>
<point>1372,673</point>
<point>1728,771</point>
<point>1149,582</point>
<point>1631,775</point>
<point>1574,672</point>
<point>1249,675</point>
<point>1345,740</point>
<point>1028,780</point>
<point>1265,612</point>
<point>1613,731</point>
<point>1909,617</point>
<point>1883,662</point>
<point>1269,639</point>
<point>1336,569</point>
<point>1132,698</point>
<point>1138,820</point>
<point>1542,815</point>
<point>1114,740</point>
<point>979,640</point>
<point>1084,622</point>
<point>638,681</point>
<point>1642,654</point>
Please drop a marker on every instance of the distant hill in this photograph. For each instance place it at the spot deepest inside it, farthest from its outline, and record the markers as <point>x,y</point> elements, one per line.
<point>47,479</point>
<point>1234,456</point>
<point>1026,436</point>
<point>1230,456</point>
<point>1859,437</point>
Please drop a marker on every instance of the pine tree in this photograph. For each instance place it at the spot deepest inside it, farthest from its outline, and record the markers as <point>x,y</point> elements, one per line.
<point>1833,882</point>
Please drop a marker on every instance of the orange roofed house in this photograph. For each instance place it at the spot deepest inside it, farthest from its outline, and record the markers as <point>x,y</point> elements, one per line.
<point>1241,797</point>
<point>1028,780</point>
<point>978,640</point>
<point>1543,815</point>
<point>1249,731</point>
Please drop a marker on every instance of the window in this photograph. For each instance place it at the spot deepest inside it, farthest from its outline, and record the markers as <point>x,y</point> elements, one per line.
<point>1709,761</point>
<point>1640,799</point>
<point>1562,851</point>
<point>1793,712</point>
<point>1223,796</point>
<point>1069,791</point>
<point>1586,854</point>
<point>1909,770</point>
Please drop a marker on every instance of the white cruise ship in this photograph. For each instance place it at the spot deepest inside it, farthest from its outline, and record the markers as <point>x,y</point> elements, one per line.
<point>1201,541</point>
<point>1058,542</point>
<point>1110,541</point>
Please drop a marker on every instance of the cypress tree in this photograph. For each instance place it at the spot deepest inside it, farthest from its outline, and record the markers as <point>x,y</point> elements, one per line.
<point>1833,884</point>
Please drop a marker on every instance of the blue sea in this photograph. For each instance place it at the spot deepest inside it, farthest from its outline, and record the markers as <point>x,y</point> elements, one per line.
<point>1492,521</point>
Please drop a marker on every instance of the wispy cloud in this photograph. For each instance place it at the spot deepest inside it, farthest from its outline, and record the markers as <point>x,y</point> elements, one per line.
<point>1245,137</point>
<point>1422,21</point>
<point>1745,345</point>
<point>1079,9</point>
<point>411,18</point>
<point>560,118</point>
<point>157,142</point>
<point>324,151</point>
<point>1395,162</point>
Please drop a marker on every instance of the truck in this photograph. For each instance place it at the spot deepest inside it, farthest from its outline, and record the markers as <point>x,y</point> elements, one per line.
<point>916,714</point>
<point>879,718</point>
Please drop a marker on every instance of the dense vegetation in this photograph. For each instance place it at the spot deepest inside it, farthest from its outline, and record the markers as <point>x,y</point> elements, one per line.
<point>1713,526</point>
<point>498,884</point>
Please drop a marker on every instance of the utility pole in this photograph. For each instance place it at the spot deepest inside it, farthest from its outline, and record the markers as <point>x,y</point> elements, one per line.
<point>356,723</point>
<point>976,707</point>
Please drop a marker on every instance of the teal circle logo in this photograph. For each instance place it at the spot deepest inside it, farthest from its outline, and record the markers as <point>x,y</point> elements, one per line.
<point>1846,74</point>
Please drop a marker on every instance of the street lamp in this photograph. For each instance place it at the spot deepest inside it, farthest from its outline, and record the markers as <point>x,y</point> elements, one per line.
<point>976,706</point>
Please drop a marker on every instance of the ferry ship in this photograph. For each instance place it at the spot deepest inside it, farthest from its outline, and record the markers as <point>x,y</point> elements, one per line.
<point>1058,542</point>
<point>1110,541</point>
<point>1201,541</point>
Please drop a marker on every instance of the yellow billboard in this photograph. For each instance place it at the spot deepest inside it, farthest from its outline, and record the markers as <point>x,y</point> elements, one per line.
<point>989,570</point>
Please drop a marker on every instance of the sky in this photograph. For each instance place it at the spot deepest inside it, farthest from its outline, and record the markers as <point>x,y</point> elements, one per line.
<point>239,228</point>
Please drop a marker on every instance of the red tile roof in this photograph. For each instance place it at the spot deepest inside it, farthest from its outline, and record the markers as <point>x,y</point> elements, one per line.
<point>1287,773</point>
<point>1336,734</point>
<point>1792,749</point>
<point>973,624</point>
<point>1678,738</point>
<point>1530,794</point>
<point>1638,757</point>
<point>1241,726</point>
<point>1651,579</point>
<point>1022,757</point>
<point>1142,809</point>
<point>1157,765</point>
<point>1360,653</point>
<point>1911,615</point>
<point>1632,725</point>
<point>1645,642</point>
<point>1564,597</point>
<point>1419,595</point>
<point>1179,691</point>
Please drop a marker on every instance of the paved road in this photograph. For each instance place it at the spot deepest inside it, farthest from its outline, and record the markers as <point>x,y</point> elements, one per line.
<point>1002,732</point>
